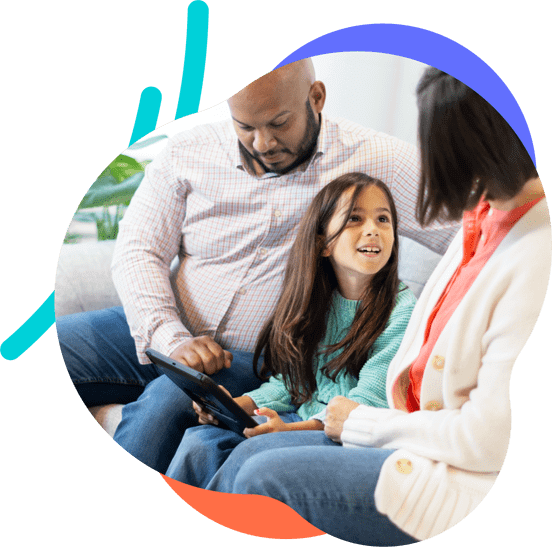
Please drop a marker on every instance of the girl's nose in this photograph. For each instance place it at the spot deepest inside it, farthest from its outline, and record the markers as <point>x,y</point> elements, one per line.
<point>370,229</point>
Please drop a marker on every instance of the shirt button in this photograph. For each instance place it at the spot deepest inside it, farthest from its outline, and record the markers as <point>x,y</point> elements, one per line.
<point>404,466</point>
<point>277,213</point>
<point>262,251</point>
<point>438,362</point>
<point>433,405</point>
<point>242,291</point>
<point>222,330</point>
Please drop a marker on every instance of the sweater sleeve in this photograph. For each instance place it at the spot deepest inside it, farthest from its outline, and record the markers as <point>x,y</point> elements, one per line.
<point>370,389</point>
<point>273,394</point>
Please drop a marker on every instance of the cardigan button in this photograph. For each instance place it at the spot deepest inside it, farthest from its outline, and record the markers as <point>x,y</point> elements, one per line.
<point>404,466</point>
<point>433,405</point>
<point>438,362</point>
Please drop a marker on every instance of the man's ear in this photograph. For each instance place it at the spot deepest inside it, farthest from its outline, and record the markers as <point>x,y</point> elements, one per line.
<point>317,96</point>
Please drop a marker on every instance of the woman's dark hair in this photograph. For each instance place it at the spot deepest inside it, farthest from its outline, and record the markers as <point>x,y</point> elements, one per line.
<point>291,337</point>
<point>467,150</point>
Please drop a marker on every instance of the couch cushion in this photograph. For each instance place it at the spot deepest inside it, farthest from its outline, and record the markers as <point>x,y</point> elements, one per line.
<point>83,278</point>
<point>416,263</point>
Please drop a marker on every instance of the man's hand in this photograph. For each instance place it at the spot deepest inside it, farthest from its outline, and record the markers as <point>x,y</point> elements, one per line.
<point>202,354</point>
<point>337,412</point>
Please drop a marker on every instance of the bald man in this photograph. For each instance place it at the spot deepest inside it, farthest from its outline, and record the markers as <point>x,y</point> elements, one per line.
<point>276,118</point>
<point>226,200</point>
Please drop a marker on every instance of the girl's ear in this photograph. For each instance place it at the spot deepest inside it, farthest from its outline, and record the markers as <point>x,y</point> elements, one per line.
<point>320,243</point>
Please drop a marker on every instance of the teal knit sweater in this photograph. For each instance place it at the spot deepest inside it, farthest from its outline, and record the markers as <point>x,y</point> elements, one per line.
<point>369,387</point>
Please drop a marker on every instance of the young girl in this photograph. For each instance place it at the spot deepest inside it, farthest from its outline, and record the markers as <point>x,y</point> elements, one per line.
<point>337,325</point>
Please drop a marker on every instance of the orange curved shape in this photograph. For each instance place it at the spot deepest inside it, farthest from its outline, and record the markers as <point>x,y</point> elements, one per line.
<point>250,514</point>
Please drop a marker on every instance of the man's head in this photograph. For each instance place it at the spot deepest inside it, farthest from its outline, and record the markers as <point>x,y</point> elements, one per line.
<point>276,117</point>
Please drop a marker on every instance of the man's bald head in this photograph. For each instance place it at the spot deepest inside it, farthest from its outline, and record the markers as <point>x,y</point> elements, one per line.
<point>276,117</point>
<point>296,77</point>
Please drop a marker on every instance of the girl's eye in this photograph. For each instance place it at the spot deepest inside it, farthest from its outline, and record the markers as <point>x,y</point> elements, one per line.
<point>383,219</point>
<point>245,128</point>
<point>354,218</point>
<point>280,124</point>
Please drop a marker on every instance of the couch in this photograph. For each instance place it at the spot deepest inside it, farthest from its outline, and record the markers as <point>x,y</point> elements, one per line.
<point>83,283</point>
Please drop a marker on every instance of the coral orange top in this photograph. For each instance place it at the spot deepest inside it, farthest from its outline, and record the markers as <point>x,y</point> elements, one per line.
<point>484,229</point>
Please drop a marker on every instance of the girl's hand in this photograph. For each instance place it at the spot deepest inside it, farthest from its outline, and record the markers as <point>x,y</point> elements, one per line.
<point>337,412</point>
<point>273,424</point>
<point>203,416</point>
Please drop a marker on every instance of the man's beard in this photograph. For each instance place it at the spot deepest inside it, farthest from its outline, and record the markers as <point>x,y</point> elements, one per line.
<point>304,152</point>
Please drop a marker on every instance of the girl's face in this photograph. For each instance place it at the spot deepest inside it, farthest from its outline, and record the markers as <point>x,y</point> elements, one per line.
<point>366,243</point>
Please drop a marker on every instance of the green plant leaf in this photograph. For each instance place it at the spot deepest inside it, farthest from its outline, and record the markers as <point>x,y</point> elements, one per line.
<point>108,191</point>
<point>123,167</point>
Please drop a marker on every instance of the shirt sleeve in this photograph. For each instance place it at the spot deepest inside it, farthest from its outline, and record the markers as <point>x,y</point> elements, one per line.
<point>149,239</point>
<point>371,387</point>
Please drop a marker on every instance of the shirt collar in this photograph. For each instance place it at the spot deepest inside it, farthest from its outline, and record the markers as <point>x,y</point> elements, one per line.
<point>490,223</point>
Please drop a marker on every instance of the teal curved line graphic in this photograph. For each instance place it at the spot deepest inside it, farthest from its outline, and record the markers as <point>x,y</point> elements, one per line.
<point>146,120</point>
<point>148,112</point>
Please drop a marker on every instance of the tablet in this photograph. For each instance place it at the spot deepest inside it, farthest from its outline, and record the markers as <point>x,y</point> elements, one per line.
<point>205,392</point>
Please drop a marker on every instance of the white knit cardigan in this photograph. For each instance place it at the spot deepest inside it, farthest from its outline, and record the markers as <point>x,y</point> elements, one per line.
<point>450,452</point>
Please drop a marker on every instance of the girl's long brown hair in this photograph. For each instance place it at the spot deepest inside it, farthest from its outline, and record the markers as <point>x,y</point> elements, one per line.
<point>291,337</point>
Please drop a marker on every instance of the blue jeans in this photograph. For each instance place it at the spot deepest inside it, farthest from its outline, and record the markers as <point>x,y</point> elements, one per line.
<point>100,356</point>
<point>329,486</point>
<point>204,449</point>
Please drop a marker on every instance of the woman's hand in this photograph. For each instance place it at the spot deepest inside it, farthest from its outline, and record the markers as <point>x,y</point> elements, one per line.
<point>337,412</point>
<point>273,424</point>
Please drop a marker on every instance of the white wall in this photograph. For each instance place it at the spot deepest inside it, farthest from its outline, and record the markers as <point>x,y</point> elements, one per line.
<point>376,90</point>
<point>373,89</point>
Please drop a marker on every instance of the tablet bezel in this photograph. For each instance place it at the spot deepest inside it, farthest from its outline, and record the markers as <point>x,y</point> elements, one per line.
<point>204,391</point>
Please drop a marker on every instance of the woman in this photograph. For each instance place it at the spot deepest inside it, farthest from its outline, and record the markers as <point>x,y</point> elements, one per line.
<point>423,464</point>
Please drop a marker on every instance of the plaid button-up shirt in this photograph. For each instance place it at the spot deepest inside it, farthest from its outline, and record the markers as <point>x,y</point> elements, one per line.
<point>232,230</point>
